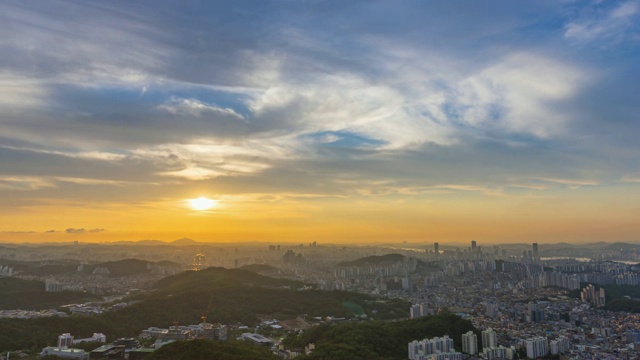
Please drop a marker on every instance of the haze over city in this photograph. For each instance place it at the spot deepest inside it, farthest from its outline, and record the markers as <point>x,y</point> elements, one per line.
<point>341,122</point>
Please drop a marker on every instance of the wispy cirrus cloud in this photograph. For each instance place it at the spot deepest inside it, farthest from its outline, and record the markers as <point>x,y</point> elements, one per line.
<point>612,23</point>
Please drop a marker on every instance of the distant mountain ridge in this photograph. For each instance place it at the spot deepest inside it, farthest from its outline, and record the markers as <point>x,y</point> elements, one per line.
<point>185,241</point>
<point>125,267</point>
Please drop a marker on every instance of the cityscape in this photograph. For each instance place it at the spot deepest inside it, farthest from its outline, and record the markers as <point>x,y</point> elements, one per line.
<point>521,302</point>
<point>319,180</point>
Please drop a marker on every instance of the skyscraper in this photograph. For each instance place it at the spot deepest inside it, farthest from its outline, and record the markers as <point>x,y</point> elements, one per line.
<point>489,338</point>
<point>474,246</point>
<point>436,248</point>
<point>470,343</point>
<point>537,347</point>
<point>536,257</point>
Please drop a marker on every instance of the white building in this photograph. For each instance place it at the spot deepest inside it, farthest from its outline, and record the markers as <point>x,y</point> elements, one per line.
<point>559,346</point>
<point>489,338</point>
<point>500,352</point>
<point>445,356</point>
<point>470,343</point>
<point>65,340</point>
<point>97,337</point>
<point>416,311</point>
<point>537,347</point>
<point>67,353</point>
<point>426,348</point>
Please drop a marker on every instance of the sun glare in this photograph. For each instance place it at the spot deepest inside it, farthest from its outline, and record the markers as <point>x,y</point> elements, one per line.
<point>202,203</point>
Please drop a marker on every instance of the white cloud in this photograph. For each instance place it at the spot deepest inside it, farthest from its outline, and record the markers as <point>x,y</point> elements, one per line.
<point>348,103</point>
<point>195,107</point>
<point>572,183</point>
<point>77,154</point>
<point>609,25</point>
<point>519,95</point>
<point>24,183</point>
<point>197,161</point>
<point>18,92</point>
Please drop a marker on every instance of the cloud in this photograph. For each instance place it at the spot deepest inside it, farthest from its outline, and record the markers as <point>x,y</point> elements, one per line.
<point>354,100</point>
<point>24,183</point>
<point>519,95</point>
<point>82,230</point>
<point>612,24</point>
<point>18,93</point>
<point>195,107</point>
<point>572,183</point>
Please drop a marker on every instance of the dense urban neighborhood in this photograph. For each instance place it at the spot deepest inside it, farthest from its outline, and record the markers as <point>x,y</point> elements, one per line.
<point>518,301</point>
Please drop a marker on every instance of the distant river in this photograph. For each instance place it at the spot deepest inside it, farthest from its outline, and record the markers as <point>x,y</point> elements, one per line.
<point>583,259</point>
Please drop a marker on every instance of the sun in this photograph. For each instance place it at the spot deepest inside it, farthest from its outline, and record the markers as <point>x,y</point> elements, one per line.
<point>202,203</point>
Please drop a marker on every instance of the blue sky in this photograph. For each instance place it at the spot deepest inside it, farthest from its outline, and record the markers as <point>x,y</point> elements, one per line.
<point>140,103</point>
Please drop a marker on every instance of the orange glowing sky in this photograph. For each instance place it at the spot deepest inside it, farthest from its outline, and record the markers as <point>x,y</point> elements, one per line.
<point>341,122</point>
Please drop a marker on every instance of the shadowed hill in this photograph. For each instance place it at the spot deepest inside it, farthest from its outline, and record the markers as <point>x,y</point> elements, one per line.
<point>258,268</point>
<point>219,292</point>
<point>31,295</point>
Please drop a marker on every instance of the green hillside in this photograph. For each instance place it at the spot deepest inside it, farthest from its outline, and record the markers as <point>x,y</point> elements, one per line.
<point>226,296</point>
<point>218,292</point>
<point>126,267</point>
<point>206,349</point>
<point>31,295</point>
<point>375,339</point>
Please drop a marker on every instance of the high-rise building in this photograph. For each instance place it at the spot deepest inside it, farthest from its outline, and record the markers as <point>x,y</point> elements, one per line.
<point>595,297</point>
<point>436,248</point>
<point>474,246</point>
<point>470,343</point>
<point>536,257</point>
<point>438,346</point>
<point>416,311</point>
<point>489,338</point>
<point>559,346</point>
<point>537,347</point>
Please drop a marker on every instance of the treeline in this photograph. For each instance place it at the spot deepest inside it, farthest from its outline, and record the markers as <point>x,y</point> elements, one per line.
<point>376,339</point>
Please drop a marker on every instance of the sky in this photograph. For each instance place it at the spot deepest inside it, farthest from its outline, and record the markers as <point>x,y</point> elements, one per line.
<point>329,121</point>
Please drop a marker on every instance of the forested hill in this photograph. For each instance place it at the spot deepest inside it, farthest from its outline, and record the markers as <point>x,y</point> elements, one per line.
<point>219,292</point>
<point>31,295</point>
<point>376,339</point>
<point>224,295</point>
<point>207,349</point>
<point>128,267</point>
<point>218,277</point>
<point>374,260</point>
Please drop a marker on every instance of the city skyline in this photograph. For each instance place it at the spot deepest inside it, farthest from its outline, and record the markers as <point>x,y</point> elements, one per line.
<point>354,122</point>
